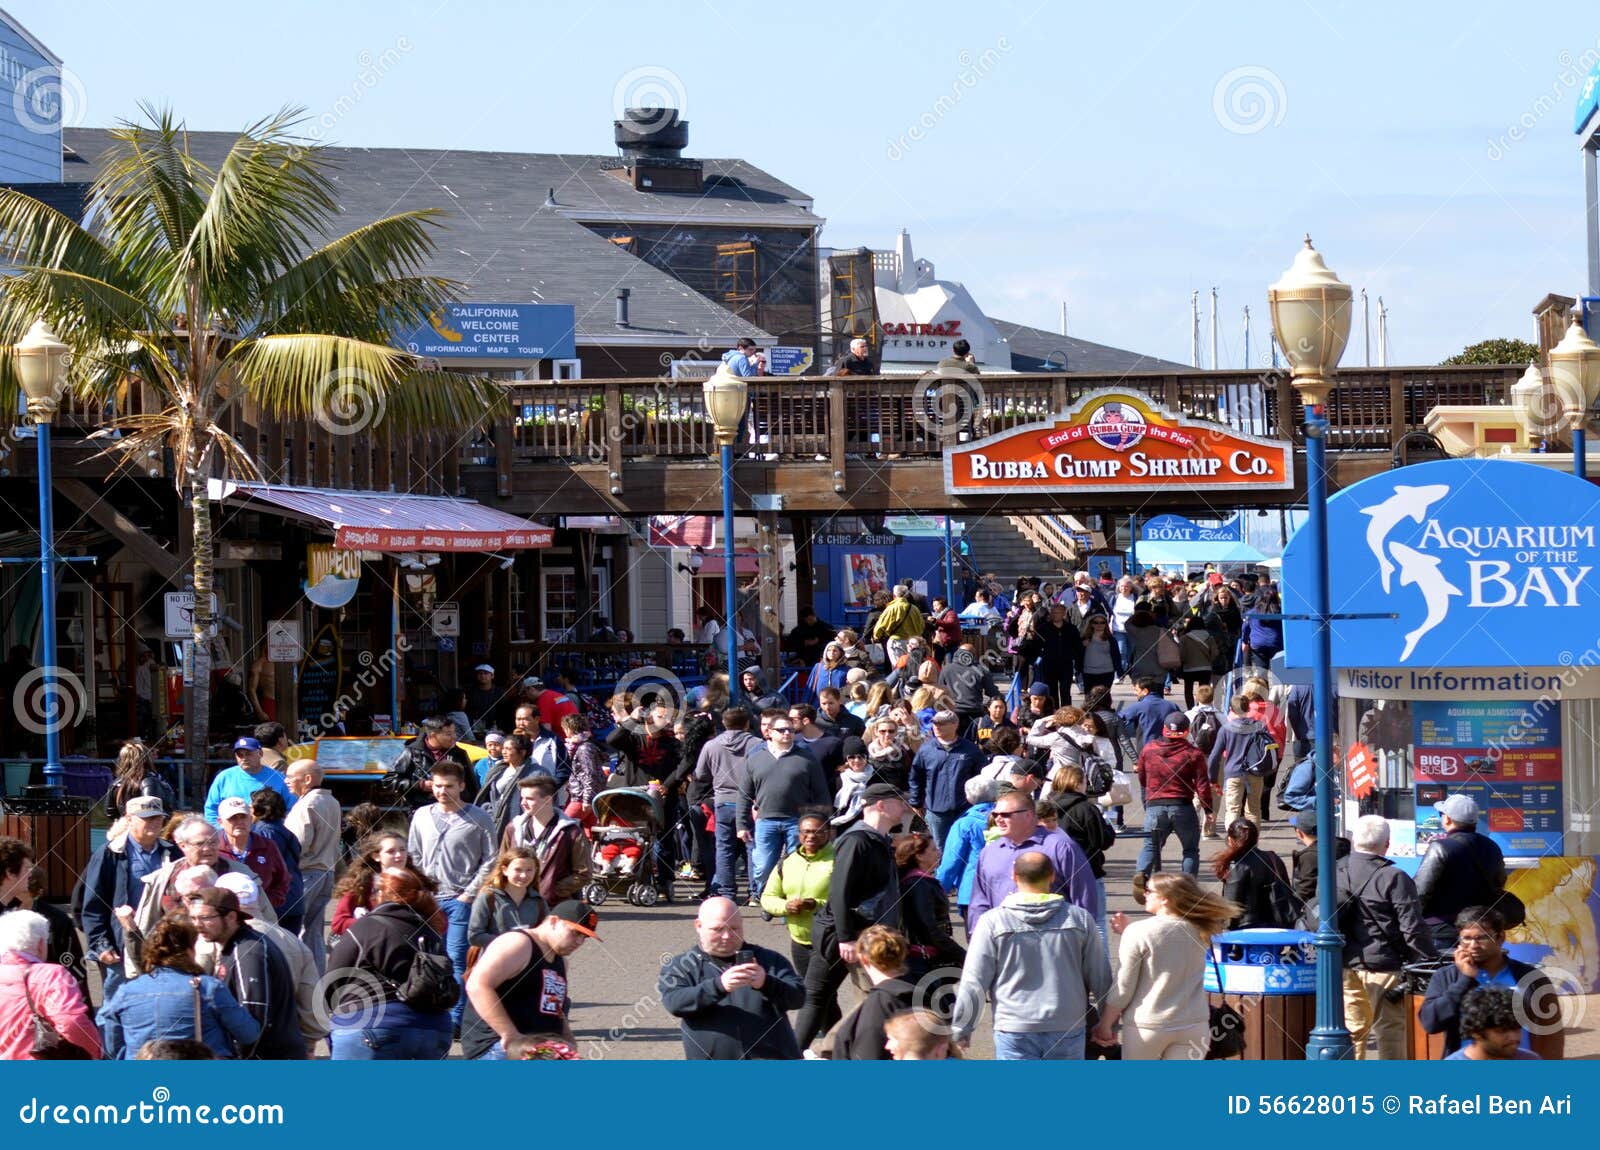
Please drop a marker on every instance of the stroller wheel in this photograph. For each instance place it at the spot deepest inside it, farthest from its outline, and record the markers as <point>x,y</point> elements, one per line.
<point>595,893</point>
<point>643,894</point>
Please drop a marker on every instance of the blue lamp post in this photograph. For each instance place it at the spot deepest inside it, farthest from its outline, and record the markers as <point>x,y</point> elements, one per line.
<point>725,397</point>
<point>1311,316</point>
<point>42,372</point>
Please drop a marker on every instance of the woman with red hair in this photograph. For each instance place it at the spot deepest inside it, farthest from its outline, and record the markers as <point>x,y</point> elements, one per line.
<point>372,1021</point>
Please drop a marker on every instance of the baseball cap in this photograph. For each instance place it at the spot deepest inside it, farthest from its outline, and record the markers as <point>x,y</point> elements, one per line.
<point>146,807</point>
<point>244,888</point>
<point>1023,768</point>
<point>227,808</point>
<point>877,792</point>
<point>1177,721</point>
<point>580,914</point>
<point>1214,578</point>
<point>1039,690</point>
<point>1306,820</point>
<point>247,744</point>
<point>484,667</point>
<point>219,899</point>
<point>946,717</point>
<point>534,681</point>
<point>1459,809</point>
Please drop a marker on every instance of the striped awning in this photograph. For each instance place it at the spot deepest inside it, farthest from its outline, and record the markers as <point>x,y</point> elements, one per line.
<point>393,521</point>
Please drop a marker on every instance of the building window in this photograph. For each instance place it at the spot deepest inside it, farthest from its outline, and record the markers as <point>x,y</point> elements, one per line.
<point>738,281</point>
<point>558,601</point>
<point>568,368</point>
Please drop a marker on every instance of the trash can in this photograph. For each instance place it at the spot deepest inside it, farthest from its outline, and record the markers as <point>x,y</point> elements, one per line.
<point>16,777</point>
<point>1270,977</point>
<point>58,831</point>
<point>1420,1045</point>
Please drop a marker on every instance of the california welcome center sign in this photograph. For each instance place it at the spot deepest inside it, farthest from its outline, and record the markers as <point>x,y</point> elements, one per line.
<point>1485,563</point>
<point>1116,441</point>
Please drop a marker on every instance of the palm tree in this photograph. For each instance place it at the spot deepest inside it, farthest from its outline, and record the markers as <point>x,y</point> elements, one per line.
<point>216,288</point>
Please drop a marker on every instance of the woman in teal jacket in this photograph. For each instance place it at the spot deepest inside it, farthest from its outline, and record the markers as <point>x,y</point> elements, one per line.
<point>967,836</point>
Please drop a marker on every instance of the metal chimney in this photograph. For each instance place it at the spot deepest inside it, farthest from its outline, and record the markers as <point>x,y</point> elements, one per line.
<point>622,307</point>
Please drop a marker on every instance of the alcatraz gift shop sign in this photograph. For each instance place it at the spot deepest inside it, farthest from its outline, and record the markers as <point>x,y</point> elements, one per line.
<point>1483,562</point>
<point>1113,441</point>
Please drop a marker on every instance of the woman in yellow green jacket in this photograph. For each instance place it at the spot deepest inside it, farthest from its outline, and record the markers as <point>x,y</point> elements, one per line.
<point>798,885</point>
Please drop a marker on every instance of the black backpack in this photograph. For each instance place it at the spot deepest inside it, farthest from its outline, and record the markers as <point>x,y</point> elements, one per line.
<point>1204,730</point>
<point>430,984</point>
<point>1097,774</point>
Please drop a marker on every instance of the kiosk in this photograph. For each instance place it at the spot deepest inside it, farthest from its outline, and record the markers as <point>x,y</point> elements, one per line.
<point>1485,682</point>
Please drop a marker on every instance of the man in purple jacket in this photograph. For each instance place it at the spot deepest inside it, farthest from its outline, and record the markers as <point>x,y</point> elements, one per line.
<point>1020,831</point>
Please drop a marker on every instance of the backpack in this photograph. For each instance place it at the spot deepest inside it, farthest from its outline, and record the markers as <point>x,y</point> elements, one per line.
<point>1260,755</point>
<point>1098,774</point>
<point>1204,730</point>
<point>430,983</point>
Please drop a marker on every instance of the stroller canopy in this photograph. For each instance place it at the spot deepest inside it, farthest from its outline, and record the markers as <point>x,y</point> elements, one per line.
<point>631,805</point>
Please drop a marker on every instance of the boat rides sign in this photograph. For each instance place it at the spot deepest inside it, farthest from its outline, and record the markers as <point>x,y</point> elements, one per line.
<point>1116,441</point>
<point>1484,563</point>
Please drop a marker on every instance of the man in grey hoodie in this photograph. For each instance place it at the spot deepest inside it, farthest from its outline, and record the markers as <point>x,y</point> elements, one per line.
<point>722,761</point>
<point>1040,961</point>
<point>1237,762</point>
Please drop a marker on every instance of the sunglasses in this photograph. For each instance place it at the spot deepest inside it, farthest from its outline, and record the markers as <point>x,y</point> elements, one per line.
<point>1012,814</point>
<point>781,730</point>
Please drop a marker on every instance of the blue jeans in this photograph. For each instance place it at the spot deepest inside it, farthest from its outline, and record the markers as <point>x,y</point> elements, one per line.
<point>455,945</point>
<point>1125,648</point>
<point>111,977</point>
<point>939,824</point>
<point>1163,818</point>
<point>495,1053</point>
<point>319,884</point>
<point>729,848</point>
<point>1039,1045</point>
<point>774,839</point>
<point>388,1044</point>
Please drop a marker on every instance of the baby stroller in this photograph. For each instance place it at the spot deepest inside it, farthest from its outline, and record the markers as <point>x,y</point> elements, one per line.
<point>622,854</point>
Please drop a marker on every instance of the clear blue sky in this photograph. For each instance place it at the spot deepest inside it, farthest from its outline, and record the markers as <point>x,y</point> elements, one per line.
<point>1088,156</point>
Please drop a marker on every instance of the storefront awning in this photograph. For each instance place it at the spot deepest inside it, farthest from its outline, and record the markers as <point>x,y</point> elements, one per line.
<point>1154,554</point>
<point>394,521</point>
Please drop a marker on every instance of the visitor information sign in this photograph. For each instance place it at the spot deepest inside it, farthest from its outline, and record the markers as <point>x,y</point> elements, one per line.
<point>1506,756</point>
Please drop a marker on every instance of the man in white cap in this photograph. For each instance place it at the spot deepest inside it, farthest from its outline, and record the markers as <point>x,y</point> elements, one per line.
<point>313,1018</point>
<point>114,878</point>
<point>1462,868</point>
<point>243,844</point>
<point>485,701</point>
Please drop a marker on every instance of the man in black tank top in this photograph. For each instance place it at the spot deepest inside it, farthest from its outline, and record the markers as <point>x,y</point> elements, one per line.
<point>519,985</point>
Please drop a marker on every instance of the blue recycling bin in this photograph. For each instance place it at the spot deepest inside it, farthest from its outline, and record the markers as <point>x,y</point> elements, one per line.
<point>1270,977</point>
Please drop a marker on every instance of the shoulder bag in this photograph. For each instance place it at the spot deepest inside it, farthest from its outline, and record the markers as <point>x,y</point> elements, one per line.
<point>48,1043</point>
<point>1227,1024</point>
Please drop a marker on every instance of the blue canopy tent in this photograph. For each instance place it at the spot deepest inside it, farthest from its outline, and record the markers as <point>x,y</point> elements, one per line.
<point>1170,554</point>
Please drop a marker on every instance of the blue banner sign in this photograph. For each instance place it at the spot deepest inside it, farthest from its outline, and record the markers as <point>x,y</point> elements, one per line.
<point>496,331</point>
<point>789,360</point>
<point>1484,563</point>
<point>1177,529</point>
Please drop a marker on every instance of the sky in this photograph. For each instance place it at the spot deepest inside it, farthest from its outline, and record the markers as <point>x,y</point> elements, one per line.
<point>1113,157</point>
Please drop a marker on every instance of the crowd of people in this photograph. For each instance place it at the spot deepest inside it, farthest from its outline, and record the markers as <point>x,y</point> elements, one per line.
<point>899,786</point>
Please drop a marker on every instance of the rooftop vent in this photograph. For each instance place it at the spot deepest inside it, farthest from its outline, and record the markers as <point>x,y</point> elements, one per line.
<point>651,141</point>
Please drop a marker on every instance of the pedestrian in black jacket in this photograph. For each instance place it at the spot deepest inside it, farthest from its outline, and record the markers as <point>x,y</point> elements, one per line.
<point>1305,861</point>
<point>1383,930</point>
<point>1481,960</point>
<point>925,910</point>
<point>863,891</point>
<point>255,971</point>
<point>1254,879</point>
<point>733,998</point>
<point>109,883</point>
<point>1079,816</point>
<point>413,772</point>
<point>1461,869</point>
<point>884,955</point>
<point>1060,653</point>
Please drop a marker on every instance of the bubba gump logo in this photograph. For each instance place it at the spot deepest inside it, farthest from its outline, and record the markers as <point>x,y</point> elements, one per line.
<point>1118,442</point>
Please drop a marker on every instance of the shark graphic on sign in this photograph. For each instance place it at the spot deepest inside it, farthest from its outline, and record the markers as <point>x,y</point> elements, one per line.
<point>1416,569</point>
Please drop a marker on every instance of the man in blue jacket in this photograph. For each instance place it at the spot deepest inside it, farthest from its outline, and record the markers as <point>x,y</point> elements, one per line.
<point>1148,711</point>
<point>939,774</point>
<point>115,878</point>
<point>242,780</point>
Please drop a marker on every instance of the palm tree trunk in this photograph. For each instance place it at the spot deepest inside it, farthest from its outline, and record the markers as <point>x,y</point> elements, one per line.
<point>199,734</point>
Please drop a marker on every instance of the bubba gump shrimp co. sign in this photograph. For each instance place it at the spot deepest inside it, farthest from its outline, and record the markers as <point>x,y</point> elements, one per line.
<point>1115,441</point>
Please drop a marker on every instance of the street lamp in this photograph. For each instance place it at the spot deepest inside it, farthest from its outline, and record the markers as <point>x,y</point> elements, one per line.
<point>1575,372</point>
<point>42,372</point>
<point>725,396</point>
<point>1311,316</point>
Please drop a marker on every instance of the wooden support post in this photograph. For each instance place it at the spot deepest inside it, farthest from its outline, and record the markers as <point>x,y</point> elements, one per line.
<point>769,628</point>
<point>1398,424</point>
<point>613,433</point>
<point>837,433</point>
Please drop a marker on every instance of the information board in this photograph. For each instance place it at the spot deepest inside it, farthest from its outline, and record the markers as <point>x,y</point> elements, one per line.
<point>1505,756</point>
<point>349,757</point>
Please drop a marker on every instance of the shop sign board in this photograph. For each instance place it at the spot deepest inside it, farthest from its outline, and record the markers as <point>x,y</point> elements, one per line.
<point>1483,562</point>
<point>1116,441</point>
<point>495,331</point>
<point>1180,529</point>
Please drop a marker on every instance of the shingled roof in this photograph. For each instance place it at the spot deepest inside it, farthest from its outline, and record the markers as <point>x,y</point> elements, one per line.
<point>1034,349</point>
<point>513,232</point>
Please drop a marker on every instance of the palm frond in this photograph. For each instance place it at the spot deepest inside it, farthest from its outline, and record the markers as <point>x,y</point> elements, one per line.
<point>150,186</point>
<point>311,376</point>
<point>321,286</point>
<point>32,233</point>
